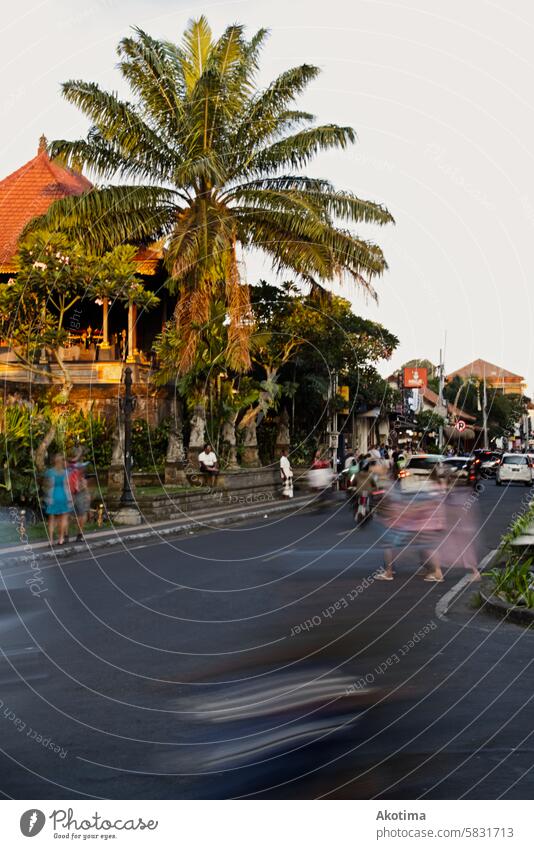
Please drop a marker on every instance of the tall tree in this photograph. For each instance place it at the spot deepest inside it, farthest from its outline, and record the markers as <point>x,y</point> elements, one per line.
<point>214,164</point>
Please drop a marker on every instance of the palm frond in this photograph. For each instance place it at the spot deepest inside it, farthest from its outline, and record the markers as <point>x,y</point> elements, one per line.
<point>103,218</point>
<point>297,150</point>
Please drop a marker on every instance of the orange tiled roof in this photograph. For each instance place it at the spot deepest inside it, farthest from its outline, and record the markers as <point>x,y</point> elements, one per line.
<point>28,192</point>
<point>479,368</point>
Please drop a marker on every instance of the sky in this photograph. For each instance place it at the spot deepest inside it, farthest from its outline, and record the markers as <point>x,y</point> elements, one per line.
<point>440,96</point>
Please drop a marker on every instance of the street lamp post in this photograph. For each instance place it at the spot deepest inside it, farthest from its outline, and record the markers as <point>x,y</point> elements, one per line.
<point>128,514</point>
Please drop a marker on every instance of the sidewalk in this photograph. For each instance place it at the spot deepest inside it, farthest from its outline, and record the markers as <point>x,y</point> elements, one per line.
<point>122,535</point>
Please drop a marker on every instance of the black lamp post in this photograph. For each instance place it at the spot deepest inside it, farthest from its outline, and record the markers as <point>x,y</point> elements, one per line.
<point>127,406</point>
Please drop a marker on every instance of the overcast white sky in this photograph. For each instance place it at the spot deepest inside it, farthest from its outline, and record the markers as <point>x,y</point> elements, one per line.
<point>440,96</point>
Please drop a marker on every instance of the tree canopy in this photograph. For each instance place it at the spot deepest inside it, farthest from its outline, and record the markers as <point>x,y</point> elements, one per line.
<point>212,163</point>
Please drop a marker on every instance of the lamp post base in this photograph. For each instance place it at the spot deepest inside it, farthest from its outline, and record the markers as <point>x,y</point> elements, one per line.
<point>126,515</point>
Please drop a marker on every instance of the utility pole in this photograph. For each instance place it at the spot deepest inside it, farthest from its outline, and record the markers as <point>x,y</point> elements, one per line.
<point>334,435</point>
<point>484,410</point>
<point>440,398</point>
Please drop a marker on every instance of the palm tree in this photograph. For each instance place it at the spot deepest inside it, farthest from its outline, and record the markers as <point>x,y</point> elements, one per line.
<point>213,164</point>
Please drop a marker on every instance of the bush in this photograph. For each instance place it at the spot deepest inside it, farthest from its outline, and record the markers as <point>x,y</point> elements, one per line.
<point>149,445</point>
<point>90,431</point>
<point>22,428</point>
<point>515,582</point>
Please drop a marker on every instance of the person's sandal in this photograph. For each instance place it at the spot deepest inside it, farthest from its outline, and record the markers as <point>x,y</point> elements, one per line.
<point>382,576</point>
<point>433,579</point>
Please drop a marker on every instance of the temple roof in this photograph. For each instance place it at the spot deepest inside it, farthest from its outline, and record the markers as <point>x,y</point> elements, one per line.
<point>482,368</point>
<point>28,192</point>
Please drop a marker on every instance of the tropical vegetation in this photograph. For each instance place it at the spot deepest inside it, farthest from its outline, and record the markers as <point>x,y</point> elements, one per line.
<point>212,164</point>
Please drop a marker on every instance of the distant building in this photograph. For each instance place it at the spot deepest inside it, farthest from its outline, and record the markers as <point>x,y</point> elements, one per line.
<point>496,377</point>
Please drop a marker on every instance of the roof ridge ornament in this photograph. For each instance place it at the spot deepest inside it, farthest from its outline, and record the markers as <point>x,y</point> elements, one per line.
<point>42,144</point>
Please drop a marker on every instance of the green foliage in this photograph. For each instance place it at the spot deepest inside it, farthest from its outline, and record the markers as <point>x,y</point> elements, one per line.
<point>54,273</point>
<point>428,420</point>
<point>430,367</point>
<point>517,528</point>
<point>267,432</point>
<point>23,426</point>
<point>515,581</point>
<point>149,445</point>
<point>90,431</point>
<point>504,411</point>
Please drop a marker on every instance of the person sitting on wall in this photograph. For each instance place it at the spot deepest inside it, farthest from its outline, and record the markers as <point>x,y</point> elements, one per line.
<point>207,460</point>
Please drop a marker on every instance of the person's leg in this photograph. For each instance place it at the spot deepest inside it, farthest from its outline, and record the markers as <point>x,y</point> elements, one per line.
<point>80,525</point>
<point>63,527</point>
<point>51,526</point>
<point>430,559</point>
<point>389,559</point>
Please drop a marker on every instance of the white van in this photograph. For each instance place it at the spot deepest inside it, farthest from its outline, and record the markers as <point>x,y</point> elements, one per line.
<point>514,467</point>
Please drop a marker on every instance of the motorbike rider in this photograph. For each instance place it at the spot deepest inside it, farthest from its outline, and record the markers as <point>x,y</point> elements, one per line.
<point>365,482</point>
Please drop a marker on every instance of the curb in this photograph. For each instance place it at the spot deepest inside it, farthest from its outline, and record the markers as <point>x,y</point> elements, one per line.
<point>181,528</point>
<point>445,602</point>
<point>511,612</point>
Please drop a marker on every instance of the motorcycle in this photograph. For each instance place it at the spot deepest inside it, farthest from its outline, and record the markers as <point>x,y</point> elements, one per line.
<point>365,505</point>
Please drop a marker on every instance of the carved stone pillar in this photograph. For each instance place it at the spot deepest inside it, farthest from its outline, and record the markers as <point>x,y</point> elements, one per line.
<point>116,469</point>
<point>175,458</point>
<point>251,457</point>
<point>197,436</point>
<point>230,443</point>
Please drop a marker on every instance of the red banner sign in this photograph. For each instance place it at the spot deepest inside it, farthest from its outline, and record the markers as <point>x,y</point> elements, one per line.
<point>415,378</point>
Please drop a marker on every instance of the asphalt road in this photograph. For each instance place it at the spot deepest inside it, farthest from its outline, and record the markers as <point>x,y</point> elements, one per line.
<point>263,660</point>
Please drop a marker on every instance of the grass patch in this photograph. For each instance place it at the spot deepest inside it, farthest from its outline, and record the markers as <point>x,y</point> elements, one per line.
<point>9,533</point>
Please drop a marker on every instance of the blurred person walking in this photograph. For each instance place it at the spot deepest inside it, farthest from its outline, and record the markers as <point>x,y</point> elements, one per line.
<point>413,522</point>
<point>459,546</point>
<point>58,499</point>
<point>79,490</point>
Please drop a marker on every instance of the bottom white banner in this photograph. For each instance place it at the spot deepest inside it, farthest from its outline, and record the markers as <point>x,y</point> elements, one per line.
<point>262,824</point>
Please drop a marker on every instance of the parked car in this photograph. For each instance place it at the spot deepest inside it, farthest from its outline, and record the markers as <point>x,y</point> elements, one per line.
<point>514,468</point>
<point>457,467</point>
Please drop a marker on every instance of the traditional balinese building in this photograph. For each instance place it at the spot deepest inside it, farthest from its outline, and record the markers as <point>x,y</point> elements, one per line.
<point>496,377</point>
<point>116,335</point>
